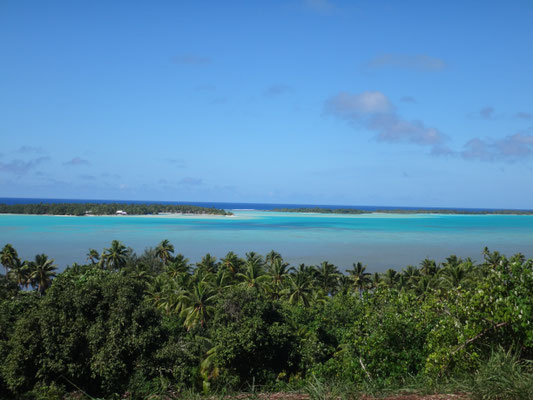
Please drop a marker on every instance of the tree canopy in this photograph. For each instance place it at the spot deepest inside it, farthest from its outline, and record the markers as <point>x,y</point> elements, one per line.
<point>155,323</point>
<point>80,209</point>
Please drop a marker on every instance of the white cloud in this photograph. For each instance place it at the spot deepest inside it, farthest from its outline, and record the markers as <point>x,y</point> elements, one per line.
<point>278,89</point>
<point>392,128</point>
<point>76,161</point>
<point>375,112</point>
<point>351,106</point>
<point>511,148</point>
<point>20,167</point>
<point>30,149</point>
<point>487,112</point>
<point>524,115</point>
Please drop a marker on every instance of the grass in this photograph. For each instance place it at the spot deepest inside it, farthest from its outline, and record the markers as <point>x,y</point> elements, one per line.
<point>503,377</point>
<point>318,390</point>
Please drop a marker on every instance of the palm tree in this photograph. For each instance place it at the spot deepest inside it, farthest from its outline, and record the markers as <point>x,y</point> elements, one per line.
<point>93,256</point>
<point>391,277</point>
<point>278,273</point>
<point>299,290</point>
<point>220,281</point>
<point>360,278</point>
<point>164,251</point>
<point>428,267</point>
<point>344,284</point>
<point>208,264</point>
<point>403,283</point>
<point>208,368</point>
<point>148,259</point>
<point>493,259</point>
<point>452,261</point>
<point>9,257</point>
<point>140,273</point>
<point>232,262</point>
<point>327,277</point>
<point>254,258</point>
<point>20,274</point>
<point>171,298</point>
<point>253,274</point>
<point>425,284</point>
<point>411,275</point>
<point>199,305</point>
<point>115,257</point>
<point>376,280</point>
<point>177,266</point>
<point>155,289</point>
<point>454,275</point>
<point>272,256</point>
<point>41,272</point>
<point>319,296</point>
<point>302,269</point>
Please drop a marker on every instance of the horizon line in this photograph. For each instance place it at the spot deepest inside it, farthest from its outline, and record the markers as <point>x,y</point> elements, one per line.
<point>296,205</point>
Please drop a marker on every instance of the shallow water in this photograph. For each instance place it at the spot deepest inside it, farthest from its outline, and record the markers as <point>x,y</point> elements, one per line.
<point>378,240</point>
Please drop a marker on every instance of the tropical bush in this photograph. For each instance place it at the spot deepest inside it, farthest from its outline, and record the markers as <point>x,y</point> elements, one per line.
<point>155,324</point>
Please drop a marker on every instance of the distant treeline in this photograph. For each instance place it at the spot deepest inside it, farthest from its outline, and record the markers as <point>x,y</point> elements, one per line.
<point>321,210</point>
<point>401,211</point>
<point>105,209</point>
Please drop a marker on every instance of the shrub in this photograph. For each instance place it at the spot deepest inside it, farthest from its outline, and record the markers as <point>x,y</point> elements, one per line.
<point>252,340</point>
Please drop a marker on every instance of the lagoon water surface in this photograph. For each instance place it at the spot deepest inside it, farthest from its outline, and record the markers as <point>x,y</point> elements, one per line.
<point>380,241</point>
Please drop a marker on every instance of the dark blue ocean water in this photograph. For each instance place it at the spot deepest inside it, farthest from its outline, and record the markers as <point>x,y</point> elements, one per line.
<point>230,206</point>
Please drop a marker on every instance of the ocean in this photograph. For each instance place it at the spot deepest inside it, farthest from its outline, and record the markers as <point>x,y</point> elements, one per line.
<point>231,206</point>
<point>380,241</point>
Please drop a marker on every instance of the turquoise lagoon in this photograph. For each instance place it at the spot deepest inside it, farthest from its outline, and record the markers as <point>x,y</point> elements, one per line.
<point>380,241</point>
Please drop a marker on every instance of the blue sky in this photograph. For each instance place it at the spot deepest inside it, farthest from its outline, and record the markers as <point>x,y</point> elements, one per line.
<point>409,103</point>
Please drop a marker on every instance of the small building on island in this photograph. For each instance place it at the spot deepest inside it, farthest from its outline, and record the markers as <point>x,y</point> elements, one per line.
<point>120,212</point>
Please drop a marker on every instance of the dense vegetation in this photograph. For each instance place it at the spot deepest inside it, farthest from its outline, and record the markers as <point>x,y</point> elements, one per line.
<point>322,210</point>
<point>105,209</point>
<point>157,325</point>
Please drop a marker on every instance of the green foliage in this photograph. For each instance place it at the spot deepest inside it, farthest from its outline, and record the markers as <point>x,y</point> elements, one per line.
<point>321,210</point>
<point>47,392</point>
<point>9,257</point>
<point>24,350</point>
<point>384,342</point>
<point>92,328</point>
<point>320,332</point>
<point>502,377</point>
<point>155,325</point>
<point>177,362</point>
<point>252,337</point>
<point>106,209</point>
<point>495,310</point>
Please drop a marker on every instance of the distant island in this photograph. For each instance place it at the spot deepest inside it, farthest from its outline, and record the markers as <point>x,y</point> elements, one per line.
<point>321,210</point>
<point>81,209</point>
